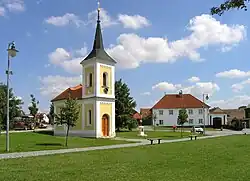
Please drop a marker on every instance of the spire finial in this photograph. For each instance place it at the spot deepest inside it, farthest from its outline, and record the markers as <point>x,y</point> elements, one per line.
<point>98,11</point>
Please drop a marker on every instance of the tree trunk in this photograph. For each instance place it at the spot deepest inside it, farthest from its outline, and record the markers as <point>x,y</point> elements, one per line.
<point>67,135</point>
<point>181,129</point>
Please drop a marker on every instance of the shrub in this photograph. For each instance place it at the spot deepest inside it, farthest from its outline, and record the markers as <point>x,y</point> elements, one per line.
<point>237,125</point>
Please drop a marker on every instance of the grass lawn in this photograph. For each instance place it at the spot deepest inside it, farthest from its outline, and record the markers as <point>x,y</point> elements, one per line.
<point>36,141</point>
<point>224,158</point>
<point>153,134</point>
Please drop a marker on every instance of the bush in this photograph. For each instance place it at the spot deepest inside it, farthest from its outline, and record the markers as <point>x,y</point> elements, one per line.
<point>237,125</point>
<point>132,123</point>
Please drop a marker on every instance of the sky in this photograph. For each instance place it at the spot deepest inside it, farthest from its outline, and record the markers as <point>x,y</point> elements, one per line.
<point>161,47</point>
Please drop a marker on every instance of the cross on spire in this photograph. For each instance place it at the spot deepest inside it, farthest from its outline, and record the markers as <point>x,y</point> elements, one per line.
<point>98,11</point>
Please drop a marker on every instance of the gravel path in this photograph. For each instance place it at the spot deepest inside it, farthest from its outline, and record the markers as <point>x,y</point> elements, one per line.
<point>73,150</point>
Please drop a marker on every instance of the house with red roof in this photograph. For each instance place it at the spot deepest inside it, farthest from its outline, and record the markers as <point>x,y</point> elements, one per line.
<point>166,110</point>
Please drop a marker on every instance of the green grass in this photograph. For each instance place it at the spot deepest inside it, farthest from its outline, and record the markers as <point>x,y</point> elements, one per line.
<point>225,158</point>
<point>36,141</point>
<point>153,134</point>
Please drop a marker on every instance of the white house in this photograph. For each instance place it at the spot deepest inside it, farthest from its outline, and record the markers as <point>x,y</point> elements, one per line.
<point>165,112</point>
<point>217,117</point>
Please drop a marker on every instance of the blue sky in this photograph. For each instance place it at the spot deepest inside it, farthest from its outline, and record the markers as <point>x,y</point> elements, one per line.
<point>160,47</point>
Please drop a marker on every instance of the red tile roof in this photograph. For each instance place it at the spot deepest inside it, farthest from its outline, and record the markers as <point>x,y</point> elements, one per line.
<point>73,92</point>
<point>174,101</point>
<point>216,110</point>
<point>137,116</point>
<point>145,112</point>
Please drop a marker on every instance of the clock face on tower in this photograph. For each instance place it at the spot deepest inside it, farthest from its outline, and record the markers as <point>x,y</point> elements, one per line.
<point>105,90</point>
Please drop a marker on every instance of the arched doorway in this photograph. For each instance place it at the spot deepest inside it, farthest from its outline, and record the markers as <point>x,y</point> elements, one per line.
<point>105,125</point>
<point>217,122</point>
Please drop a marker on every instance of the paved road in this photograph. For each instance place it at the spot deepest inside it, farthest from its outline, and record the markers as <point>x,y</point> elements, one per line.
<point>227,132</point>
<point>25,131</point>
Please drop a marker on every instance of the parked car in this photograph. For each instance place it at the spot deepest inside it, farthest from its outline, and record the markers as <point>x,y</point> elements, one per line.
<point>197,129</point>
<point>23,125</point>
<point>42,125</point>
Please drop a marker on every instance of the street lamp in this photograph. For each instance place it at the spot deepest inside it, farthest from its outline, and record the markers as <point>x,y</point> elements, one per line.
<point>204,97</point>
<point>11,53</point>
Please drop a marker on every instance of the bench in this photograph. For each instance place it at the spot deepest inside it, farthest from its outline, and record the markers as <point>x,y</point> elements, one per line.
<point>193,136</point>
<point>152,140</point>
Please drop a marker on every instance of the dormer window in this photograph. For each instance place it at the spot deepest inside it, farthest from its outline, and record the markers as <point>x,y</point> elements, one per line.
<point>105,79</point>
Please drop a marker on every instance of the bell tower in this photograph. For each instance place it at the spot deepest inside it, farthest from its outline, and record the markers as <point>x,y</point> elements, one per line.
<point>98,93</point>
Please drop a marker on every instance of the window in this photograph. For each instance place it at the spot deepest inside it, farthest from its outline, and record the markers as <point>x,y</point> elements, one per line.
<point>90,79</point>
<point>171,112</point>
<point>200,111</point>
<point>200,121</point>
<point>90,117</point>
<point>160,112</point>
<point>191,121</point>
<point>161,122</point>
<point>190,111</point>
<point>105,79</point>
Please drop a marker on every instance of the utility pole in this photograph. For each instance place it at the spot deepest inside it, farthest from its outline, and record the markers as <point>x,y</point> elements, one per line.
<point>204,96</point>
<point>11,53</point>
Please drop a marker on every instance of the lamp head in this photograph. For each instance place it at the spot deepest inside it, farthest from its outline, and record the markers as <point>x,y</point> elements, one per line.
<point>207,97</point>
<point>12,49</point>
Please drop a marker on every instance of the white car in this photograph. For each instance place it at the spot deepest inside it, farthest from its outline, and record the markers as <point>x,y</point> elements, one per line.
<point>197,129</point>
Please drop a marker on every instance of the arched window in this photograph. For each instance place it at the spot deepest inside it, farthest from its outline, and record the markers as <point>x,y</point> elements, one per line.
<point>105,79</point>
<point>90,80</point>
<point>89,117</point>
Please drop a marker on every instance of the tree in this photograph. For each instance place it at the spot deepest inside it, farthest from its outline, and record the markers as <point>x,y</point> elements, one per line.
<point>125,106</point>
<point>51,113</point>
<point>182,118</point>
<point>15,105</point>
<point>33,108</point>
<point>228,5</point>
<point>68,115</point>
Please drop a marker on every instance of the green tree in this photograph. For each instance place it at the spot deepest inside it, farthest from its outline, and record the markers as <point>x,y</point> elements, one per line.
<point>15,105</point>
<point>124,106</point>
<point>51,113</point>
<point>68,116</point>
<point>182,118</point>
<point>33,108</point>
<point>228,5</point>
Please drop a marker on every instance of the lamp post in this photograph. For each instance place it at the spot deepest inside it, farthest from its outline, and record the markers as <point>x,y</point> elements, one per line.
<point>11,53</point>
<point>204,97</point>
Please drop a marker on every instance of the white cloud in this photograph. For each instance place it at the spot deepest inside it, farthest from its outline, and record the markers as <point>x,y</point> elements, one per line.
<point>11,6</point>
<point>134,22</point>
<point>145,93</point>
<point>239,86</point>
<point>233,73</point>
<point>165,86</point>
<point>69,61</point>
<point>132,50</point>
<point>196,90</point>
<point>52,86</point>
<point>231,103</point>
<point>2,11</point>
<point>15,5</point>
<point>194,79</point>
<point>66,19</point>
<point>200,88</point>
<point>105,18</point>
